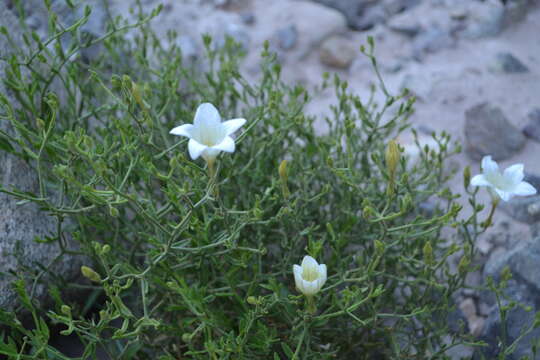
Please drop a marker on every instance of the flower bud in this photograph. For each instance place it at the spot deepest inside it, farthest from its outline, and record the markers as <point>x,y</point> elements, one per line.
<point>135,91</point>
<point>40,123</point>
<point>113,211</point>
<point>105,249</point>
<point>66,310</point>
<point>126,82</point>
<point>379,247</point>
<point>103,315</point>
<point>463,265</point>
<point>428,254</point>
<point>284,177</point>
<point>90,274</point>
<point>392,157</point>
<point>467,176</point>
<point>116,82</point>
<point>283,170</point>
<point>252,300</point>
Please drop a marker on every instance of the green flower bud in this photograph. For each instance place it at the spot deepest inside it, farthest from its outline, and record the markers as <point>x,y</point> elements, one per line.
<point>463,266</point>
<point>103,315</point>
<point>283,170</point>
<point>105,249</point>
<point>283,175</point>
<point>116,82</point>
<point>113,211</point>
<point>467,176</point>
<point>126,82</point>
<point>90,274</point>
<point>66,310</point>
<point>40,123</point>
<point>252,300</point>
<point>379,247</point>
<point>428,254</point>
<point>392,157</point>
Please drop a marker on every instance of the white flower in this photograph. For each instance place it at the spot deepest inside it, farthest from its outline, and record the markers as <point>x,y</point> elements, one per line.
<point>505,185</point>
<point>310,277</point>
<point>208,136</point>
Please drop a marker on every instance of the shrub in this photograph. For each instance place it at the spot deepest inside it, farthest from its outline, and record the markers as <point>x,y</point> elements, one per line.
<point>184,264</point>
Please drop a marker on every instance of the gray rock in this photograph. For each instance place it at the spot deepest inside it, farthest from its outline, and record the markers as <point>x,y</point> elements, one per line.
<point>20,225</point>
<point>532,128</point>
<point>515,11</point>
<point>523,261</point>
<point>313,22</point>
<point>524,209</point>
<point>524,288</point>
<point>360,14</point>
<point>488,132</point>
<point>431,41</point>
<point>399,6</point>
<point>508,64</point>
<point>338,52</point>
<point>535,229</point>
<point>364,14</point>
<point>371,16</point>
<point>248,18</point>
<point>517,320</point>
<point>287,37</point>
<point>485,19</point>
<point>95,26</point>
<point>189,47</point>
<point>405,24</point>
<point>532,179</point>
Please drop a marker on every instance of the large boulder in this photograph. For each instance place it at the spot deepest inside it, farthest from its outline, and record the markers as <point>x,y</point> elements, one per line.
<point>22,224</point>
<point>488,132</point>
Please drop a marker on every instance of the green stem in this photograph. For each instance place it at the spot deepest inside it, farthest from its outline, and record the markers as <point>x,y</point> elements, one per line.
<point>489,220</point>
<point>311,307</point>
<point>300,342</point>
<point>212,174</point>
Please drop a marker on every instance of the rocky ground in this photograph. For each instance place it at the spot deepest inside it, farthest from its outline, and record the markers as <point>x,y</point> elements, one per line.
<point>473,65</point>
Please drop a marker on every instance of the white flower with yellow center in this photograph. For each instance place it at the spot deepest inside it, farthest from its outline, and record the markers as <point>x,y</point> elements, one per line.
<point>504,185</point>
<point>208,136</point>
<point>310,276</point>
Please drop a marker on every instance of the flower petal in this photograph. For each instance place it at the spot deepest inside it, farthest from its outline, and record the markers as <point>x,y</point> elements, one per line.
<point>227,144</point>
<point>514,173</point>
<point>480,180</point>
<point>504,195</point>
<point>524,189</point>
<point>195,148</point>
<point>309,287</point>
<point>322,273</point>
<point>232,125</point>
<point>210,154</point>
<point>488,165</point>
<point>297,270</point>
<point>183,130</point>
<point>207,117</point>
<point>309,262</point>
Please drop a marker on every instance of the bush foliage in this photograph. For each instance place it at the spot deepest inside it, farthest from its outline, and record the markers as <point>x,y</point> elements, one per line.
<point>181,264</point>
